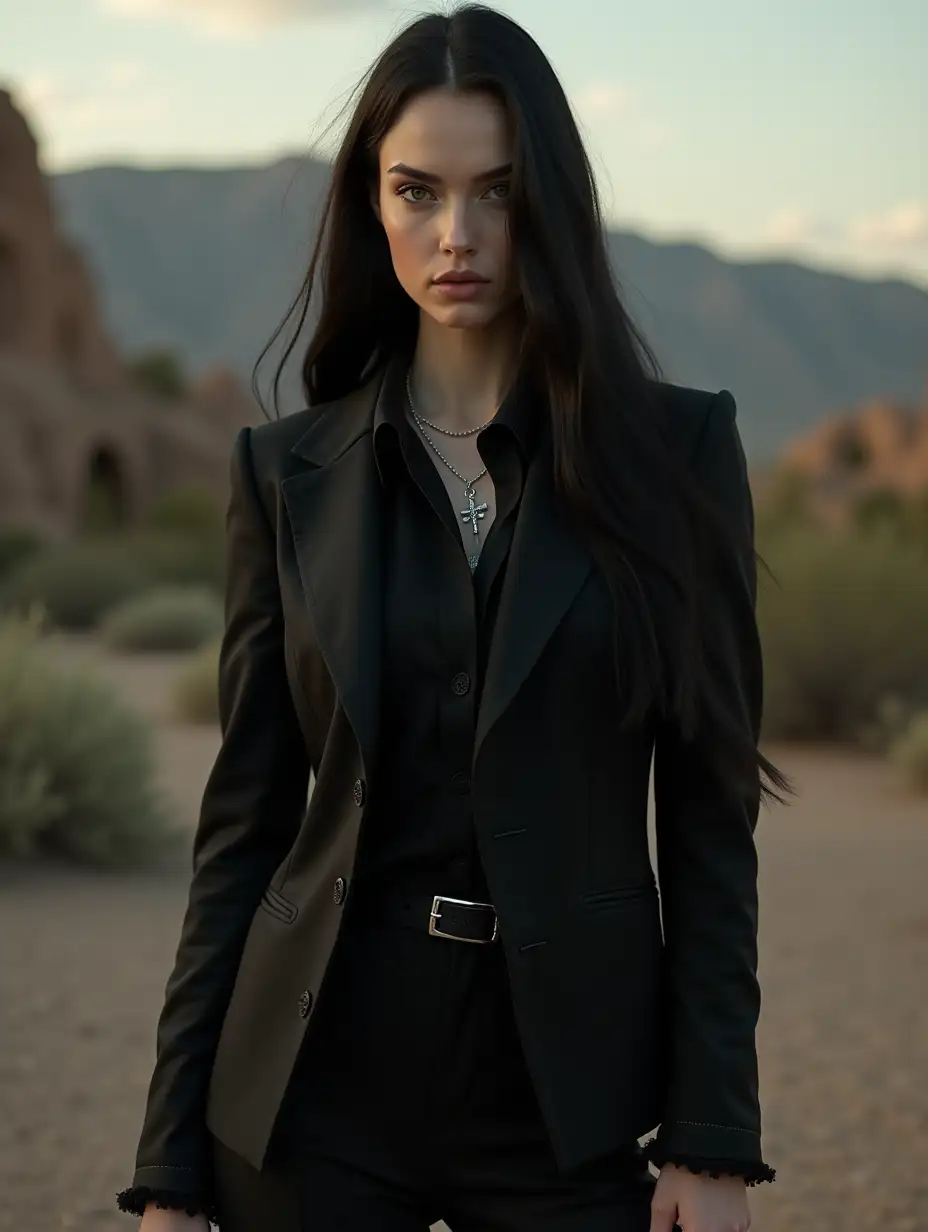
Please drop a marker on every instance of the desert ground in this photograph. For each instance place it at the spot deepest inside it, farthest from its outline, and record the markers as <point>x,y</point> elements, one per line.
<point>843,1037</point>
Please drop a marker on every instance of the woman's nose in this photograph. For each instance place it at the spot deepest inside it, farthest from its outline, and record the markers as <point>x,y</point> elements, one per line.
<point>457,229</point>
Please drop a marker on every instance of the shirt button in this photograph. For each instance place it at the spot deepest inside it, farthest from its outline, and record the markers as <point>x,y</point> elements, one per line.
<point>460,783</point>
<point>338,891</point>
<point>461,684</point>
<point>357,792</point>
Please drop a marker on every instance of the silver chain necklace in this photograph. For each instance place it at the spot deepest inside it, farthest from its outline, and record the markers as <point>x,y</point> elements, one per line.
<point>474,513</point>
<point>434,426</point>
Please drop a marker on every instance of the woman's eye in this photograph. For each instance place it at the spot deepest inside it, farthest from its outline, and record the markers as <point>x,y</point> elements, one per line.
<point>499,192</point>
<point>414,188</point>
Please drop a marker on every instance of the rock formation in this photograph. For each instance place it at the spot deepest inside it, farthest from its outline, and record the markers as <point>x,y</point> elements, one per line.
<point>71,417</point>
<point>880,447</point>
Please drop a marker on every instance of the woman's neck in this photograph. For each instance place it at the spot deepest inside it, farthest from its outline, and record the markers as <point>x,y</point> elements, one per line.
<point>460,377</point>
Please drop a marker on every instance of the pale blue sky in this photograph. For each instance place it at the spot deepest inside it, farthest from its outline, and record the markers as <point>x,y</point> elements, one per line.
<point>798,127</point>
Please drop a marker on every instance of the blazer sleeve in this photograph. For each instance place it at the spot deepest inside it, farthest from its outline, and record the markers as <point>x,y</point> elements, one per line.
<point>705,820</point>
<point>250,813</point>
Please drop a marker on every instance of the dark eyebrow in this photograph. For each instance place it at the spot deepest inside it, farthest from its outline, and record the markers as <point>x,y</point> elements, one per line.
<point>428,178</point>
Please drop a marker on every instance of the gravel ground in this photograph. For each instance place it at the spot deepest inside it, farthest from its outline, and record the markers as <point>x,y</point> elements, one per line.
<point>843,1039</point>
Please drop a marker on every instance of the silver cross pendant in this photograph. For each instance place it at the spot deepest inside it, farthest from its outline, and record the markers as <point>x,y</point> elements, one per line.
<point>474,512</point>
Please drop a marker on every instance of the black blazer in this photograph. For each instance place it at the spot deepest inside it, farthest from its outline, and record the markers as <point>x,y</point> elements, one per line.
<point>623,1027</point>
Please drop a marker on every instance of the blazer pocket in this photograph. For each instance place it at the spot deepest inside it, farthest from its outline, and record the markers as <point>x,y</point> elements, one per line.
<point>598,900</point>
<point>278,906</point>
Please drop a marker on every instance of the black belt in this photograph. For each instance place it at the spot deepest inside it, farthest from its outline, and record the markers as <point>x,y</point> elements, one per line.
<point>455,919</point>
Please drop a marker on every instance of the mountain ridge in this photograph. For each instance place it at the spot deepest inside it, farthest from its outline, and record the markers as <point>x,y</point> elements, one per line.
<point>205,261</point>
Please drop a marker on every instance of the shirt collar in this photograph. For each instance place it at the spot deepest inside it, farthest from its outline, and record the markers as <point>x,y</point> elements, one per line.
<point>518,415</point>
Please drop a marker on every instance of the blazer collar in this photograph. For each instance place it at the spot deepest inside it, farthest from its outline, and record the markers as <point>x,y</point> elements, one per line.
<point>338,424</point>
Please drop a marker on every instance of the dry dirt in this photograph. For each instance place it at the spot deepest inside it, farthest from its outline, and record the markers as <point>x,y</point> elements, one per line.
<point>843,1039</point>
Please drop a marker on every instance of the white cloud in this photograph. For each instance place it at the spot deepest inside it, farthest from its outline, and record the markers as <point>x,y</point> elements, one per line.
<point>119,100</point>
<point>609,103</point>
<point>40,92</point>
<point>894,242</point>
<point>903,226</point>
<point>235,18</point>
<point>790,227</point>
<point>604,99</point>
<point>123,73</point>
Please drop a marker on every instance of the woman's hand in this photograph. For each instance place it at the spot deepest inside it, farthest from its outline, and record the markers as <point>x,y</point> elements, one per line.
<point>698,1203</point>
<point>157,1220</point>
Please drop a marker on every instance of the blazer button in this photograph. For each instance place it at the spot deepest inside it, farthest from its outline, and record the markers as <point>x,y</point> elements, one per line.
<point>460,783</point>
<point>338,891</point>
<point>460,684</point>
<point>306,1001</point>
<point>357,792</point>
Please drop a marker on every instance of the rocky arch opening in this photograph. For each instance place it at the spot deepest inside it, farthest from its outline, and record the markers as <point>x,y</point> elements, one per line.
<point>105,501</point>
<point>11,305</point>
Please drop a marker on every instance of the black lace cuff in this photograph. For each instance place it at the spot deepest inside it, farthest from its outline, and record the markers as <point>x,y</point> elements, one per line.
<point>134,1200</point>
<point>753,1172</point>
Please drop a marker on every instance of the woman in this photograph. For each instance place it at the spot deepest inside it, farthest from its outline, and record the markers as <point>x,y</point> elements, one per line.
<point>495,565</point>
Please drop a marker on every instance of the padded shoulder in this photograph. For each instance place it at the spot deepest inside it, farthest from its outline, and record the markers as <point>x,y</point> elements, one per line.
<point>685,412</point>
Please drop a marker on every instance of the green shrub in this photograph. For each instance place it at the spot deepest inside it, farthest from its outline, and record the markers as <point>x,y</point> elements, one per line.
<point>75,583</point>
<point>891,718</point>
<point>917,520</point>
<point>182,539</point>
<point>880,509</point>
<point>910,752</point>
<point>844,624</point>
<point>17,545</point>
<point>786,504</point>
<point>161,373</point>
<point>167,618</point>
<point>196,686</point>
<point>187,511</point>
<point>177,560</point>
<point>889,512</point>
<point>77,773</point>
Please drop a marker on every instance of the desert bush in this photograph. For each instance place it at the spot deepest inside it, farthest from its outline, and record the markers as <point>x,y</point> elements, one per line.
<point>182,540</point>
<point>166,618</point>
<point>786,504</point>
<point>161,373</point>
<point>75,583</point>
<point>77,774</point>
<point>891,718</point>
<point>890,512</point>
<point>844,625</point>
<point>910,752</point>
<point>179,560</point>
<point>187,511</point>
<point>196,686</point>
<point>17,545</point>
<point>880,509</point>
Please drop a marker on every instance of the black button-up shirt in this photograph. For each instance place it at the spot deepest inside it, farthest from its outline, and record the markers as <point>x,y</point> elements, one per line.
<point>438,622</point>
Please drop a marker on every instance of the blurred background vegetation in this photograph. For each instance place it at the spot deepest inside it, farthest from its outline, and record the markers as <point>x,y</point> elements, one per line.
<point>77,775</point>
<point>843,614</point>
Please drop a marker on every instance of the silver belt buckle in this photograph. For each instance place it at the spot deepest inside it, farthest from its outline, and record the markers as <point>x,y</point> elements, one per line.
<point>435,916</point>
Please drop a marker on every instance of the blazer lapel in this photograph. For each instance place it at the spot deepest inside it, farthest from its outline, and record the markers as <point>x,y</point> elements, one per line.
<point>335,518</point>
<point>335,512</point>
<point>548,563</point>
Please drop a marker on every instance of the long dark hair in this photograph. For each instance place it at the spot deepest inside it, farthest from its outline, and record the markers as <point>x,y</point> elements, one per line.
<point>643,514</point>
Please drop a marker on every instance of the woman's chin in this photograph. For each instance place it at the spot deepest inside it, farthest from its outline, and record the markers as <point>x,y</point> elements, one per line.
<point>463,316</point>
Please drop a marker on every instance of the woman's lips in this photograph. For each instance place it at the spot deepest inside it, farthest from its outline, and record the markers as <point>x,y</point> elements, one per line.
<point>461,290</point>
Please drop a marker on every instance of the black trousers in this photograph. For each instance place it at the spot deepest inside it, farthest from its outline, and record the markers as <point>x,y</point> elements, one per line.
<point>412,1104</point>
